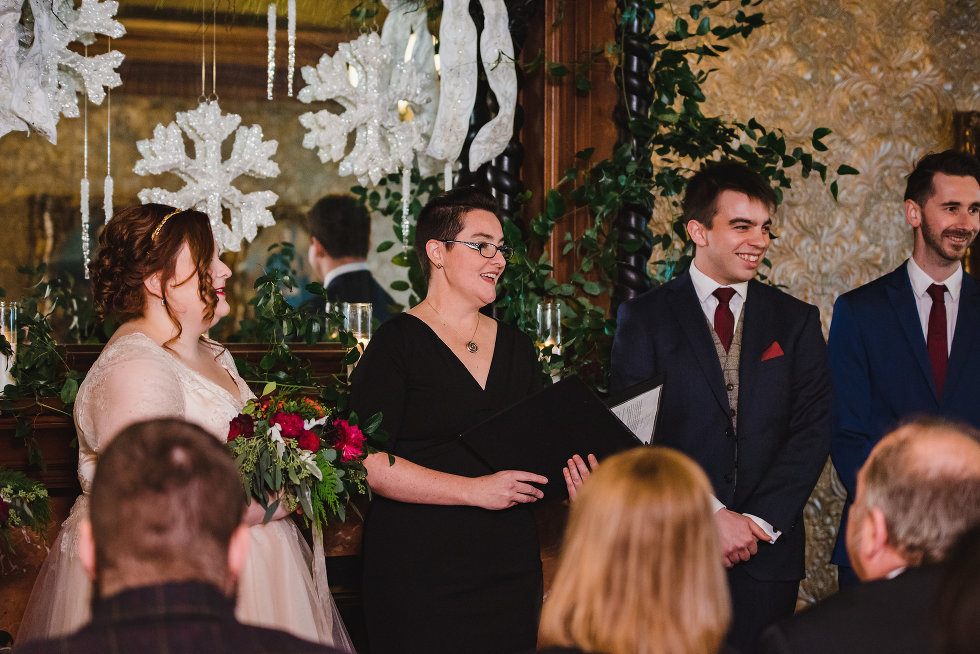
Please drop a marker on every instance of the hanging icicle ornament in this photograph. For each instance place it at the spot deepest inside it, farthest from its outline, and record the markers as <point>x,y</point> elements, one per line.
<point>291,50</point>
<point>107,186</point>
<point>406,197</point>
<point>270,75</point>
<point>83,190</point>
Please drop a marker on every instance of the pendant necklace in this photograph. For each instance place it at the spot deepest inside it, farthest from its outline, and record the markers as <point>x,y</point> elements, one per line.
<point>471,346</point>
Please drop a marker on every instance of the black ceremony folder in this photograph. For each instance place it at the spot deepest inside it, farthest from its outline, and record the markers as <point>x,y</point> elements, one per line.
<point>541,433</point>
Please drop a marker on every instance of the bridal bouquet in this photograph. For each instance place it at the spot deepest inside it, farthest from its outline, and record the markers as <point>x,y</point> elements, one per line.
<point>297,451</point>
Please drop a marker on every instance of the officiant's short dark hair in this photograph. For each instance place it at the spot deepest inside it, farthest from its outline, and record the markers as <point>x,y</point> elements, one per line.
<point>442,218</point>
<point>703,189</point>
<point>165,501</point>
<point>342,225</point>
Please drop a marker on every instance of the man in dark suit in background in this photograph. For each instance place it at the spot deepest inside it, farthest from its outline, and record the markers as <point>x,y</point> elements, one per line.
<point>746,393</point>
<point>917,493</point>
<point>894,351</point>
<point>165,543</point>
<point>340,233</point>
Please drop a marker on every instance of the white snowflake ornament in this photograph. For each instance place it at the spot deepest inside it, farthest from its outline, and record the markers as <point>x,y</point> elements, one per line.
<point>43,76</point>
<point>209,179</point>
<point>383,143</point>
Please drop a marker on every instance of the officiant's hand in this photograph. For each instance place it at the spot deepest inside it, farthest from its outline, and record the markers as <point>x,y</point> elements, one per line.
<point>505,489</point>
<point>576,472</point>
<point>739,536</point>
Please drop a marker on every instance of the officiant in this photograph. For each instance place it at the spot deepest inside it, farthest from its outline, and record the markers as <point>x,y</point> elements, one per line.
<point>451,553</point>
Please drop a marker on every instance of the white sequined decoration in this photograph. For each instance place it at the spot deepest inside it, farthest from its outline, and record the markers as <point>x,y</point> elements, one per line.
<point>107,186</point>
<point>40,77</point>
<point>383,143</point>
<point>291,47</point>
<point>83,192</point>
<point>406,31</point>
<point>84,189</point>
<point>209,179</point>
<point>406,198</point>
<point>270,75</point>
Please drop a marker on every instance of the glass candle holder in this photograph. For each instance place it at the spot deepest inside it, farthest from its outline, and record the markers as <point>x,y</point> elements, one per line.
<point>357,320</point>
<point>8,327</point>
<point>335,318</point>
<point>549,326</point>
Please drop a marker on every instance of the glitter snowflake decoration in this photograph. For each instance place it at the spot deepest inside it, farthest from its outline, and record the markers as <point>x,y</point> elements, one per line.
<point>40,77</point>
<point>208,178</point>
<point>368,82</point>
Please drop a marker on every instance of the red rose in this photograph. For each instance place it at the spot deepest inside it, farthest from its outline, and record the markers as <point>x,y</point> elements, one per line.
<point>350,440</point>
<point>241,425</point>
<point>309,441</point>
<point>291,424</point>
<point>4,511</point>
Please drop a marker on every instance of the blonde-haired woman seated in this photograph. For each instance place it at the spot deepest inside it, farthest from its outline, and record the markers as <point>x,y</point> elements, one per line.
<point>639,571</point>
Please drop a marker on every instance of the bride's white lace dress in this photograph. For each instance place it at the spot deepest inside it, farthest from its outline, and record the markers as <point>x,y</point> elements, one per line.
<point>135,379</point>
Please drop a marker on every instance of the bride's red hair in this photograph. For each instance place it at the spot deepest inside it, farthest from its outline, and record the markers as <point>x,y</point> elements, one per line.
<point>129,253</point>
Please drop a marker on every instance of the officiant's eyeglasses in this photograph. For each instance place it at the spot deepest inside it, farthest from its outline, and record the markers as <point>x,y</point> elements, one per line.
<point>486,250</point>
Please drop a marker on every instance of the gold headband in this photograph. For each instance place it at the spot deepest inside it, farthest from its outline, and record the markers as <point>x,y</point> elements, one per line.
<point>153,236</point>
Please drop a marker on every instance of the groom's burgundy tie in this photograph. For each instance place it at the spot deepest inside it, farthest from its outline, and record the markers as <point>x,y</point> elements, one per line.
<point>936,335</point>
<point>724,318</point>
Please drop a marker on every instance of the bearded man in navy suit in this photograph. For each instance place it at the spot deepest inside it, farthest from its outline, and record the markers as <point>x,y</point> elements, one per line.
<point>340,232</point>
<point>746,393</point>
<point>907,343</point>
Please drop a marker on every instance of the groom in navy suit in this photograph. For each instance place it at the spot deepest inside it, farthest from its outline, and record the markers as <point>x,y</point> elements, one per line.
<point>746,393</point>
<point>907,343</point>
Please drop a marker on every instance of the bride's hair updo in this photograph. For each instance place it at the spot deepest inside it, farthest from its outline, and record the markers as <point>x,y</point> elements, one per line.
<point>144,240</point>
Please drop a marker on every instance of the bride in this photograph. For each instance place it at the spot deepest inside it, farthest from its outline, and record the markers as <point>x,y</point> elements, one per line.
<point>159,275</point>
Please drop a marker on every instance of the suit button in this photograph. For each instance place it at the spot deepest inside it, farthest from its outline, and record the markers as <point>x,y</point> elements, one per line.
<point>730,433</point>
<point>730,387</point>
<point>729,478</point>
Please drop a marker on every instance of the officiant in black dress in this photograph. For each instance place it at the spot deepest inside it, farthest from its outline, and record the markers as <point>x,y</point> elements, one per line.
<point>451,553</point>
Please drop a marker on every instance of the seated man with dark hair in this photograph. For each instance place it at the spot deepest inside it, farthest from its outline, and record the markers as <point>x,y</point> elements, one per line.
<point>340,232</point>
<point>918,491</point>
<point>165,543</point>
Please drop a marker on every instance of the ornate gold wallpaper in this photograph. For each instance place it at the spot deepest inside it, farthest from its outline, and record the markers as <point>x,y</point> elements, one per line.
<point>886,77</point>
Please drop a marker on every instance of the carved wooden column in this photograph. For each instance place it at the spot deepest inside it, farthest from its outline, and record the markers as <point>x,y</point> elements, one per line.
<point>636,93</point>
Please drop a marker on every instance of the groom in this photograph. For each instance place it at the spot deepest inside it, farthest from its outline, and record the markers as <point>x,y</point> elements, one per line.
<point>746,392</point>
<point>164,543</point>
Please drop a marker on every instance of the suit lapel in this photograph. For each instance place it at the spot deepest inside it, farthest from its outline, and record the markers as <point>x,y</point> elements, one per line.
<point>965,333</point>
<point>902,299</point>
<point>755,334</point>
<point>691,322</point>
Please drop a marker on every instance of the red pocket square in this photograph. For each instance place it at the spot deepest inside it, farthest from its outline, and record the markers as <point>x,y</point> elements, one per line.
<point>772,351</point>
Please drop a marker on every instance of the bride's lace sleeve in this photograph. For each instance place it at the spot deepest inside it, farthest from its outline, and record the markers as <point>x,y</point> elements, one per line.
<point>129,390</point>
